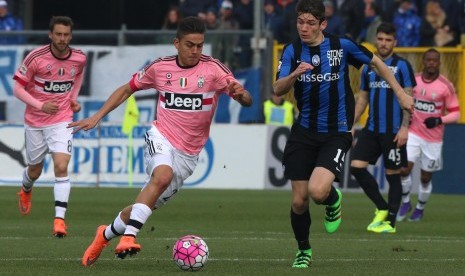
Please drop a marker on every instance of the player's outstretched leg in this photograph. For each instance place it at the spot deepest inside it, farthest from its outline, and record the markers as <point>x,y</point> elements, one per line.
<point>384,227</point>
<point>380,216</point>
<point>127,245</point>
<point>303,259</point>
<point>333,216</point>
<point>96,247</point>
<point>24,202</point>
<point>59,228</point>
<point>403,211</point>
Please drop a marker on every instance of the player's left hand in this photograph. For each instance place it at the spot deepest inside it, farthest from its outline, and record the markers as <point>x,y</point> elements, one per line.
<point>238,93</point>
<point>75,106</point>
<point>432,122</point>
<point>401,137</point>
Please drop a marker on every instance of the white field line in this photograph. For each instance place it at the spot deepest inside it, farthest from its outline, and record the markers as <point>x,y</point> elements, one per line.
<point>408,239</point>
<point>244,259</point>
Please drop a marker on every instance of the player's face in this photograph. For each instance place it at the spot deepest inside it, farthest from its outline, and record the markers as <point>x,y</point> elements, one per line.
<point>189,49</point>
<point>432,63</point>
<point>60,37</point>
<point>310,29</point>
<point>385,44</point>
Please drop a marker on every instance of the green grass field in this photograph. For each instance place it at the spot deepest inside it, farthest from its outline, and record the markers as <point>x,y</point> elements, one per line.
<point>248,233</point>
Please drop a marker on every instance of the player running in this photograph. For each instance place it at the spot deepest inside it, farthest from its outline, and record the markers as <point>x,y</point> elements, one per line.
<point>190,84</point>
<point>436,104</point>
<point>48,81</point>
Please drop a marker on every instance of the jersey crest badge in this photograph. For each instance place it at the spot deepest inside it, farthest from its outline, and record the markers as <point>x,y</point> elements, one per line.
<point>183,82</point>
<point>200,82</point>
<point>316,60</point>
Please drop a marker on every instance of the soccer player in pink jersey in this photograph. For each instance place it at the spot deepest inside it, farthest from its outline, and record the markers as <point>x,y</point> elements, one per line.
<point>48,82</point>
<point>436,104</point>
<point>189,86</point>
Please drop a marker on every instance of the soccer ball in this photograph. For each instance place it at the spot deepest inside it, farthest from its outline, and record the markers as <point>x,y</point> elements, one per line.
<point>190,252</point>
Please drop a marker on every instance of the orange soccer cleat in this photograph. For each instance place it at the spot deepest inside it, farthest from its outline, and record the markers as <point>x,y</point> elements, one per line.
<point>127,245</point>
<point>24,202</point>
<point>59,228</point>
<point>96,247</point>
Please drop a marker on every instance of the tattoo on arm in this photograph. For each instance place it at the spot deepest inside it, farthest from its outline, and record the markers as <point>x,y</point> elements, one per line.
<point>405,114</point>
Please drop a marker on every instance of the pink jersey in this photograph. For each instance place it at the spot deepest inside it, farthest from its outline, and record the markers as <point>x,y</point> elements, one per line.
<point>432,99</point>
<point>187,98</point>
<point>49,78</point>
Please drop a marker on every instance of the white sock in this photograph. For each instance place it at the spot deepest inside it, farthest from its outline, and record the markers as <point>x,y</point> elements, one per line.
<point>27,182</point>
<point>139,215</point>
<point>424,194</point>
<point>61,191</point>
<point>115,229</point>
<point>406,186</point>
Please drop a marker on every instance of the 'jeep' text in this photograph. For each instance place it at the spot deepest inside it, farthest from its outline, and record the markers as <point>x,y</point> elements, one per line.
<point>183,101</point>
<point>58,86</point>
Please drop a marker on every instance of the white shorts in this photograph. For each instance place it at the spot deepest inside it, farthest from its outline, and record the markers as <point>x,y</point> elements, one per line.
<point>429,154</point>
<point>50,139</point>
<point>159,151</point>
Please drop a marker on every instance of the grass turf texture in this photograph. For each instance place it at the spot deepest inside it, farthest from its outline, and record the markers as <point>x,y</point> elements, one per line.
<point>247,232</point>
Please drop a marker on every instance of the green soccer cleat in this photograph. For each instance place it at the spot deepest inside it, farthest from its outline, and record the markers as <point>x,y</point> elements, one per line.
<point>333,216</point>
<point>380,216</point>
<point>384,227</point>
<point>303,258</point>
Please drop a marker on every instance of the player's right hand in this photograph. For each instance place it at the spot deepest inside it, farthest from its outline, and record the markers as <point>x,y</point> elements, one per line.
<point>407,103</point>
<point>50,107</point>
<point>303,66</point>
<point>85,124</point>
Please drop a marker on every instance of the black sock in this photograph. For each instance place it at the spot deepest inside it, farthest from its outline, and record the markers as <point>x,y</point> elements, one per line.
<point>301,226</point>
<point>332,197</point>
<point>394,196</point>
<point>369,186</point>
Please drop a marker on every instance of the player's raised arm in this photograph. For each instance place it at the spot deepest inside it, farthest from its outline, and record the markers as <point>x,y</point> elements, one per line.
<point>381,69</point>
<point>117,97</point>
<point>283,85</point>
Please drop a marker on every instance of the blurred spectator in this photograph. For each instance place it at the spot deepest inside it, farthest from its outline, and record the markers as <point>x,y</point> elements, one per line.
<point>407,23</point>
<point>462,21</point>
<point>8,22</point>
<point>436,28</point>
<point>277,111</point>
<point>227,42</point>
<point>370,24</point>
<point>243,14</point>
<point>387,9</point>
<point>289,27</point>
<point>335,23</point>
<point>352,12</point>
<point>272,20</point>
<point>211,20</point>
<point>197,7</point>
<point>172,18</point>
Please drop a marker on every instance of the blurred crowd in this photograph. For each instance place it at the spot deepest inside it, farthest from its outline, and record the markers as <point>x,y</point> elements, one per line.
<point>419,22</point>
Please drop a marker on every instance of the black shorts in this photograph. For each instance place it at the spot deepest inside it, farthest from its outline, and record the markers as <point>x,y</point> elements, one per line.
<point>306,150</point>
<point>370,146</point>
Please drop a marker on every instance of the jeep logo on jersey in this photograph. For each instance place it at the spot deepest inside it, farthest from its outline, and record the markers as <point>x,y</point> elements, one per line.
<point>425,106</point>
<point>183,101</point>
<point>58,86</point>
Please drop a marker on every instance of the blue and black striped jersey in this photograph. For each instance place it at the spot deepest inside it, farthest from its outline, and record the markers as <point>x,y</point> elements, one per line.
<point>323,95</point>
<point>385,112</point>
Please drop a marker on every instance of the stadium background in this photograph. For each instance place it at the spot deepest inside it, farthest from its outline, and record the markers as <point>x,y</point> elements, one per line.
<point>122,24</point>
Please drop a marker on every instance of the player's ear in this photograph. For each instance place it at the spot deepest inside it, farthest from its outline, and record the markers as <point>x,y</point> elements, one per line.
<point>176,43</point>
